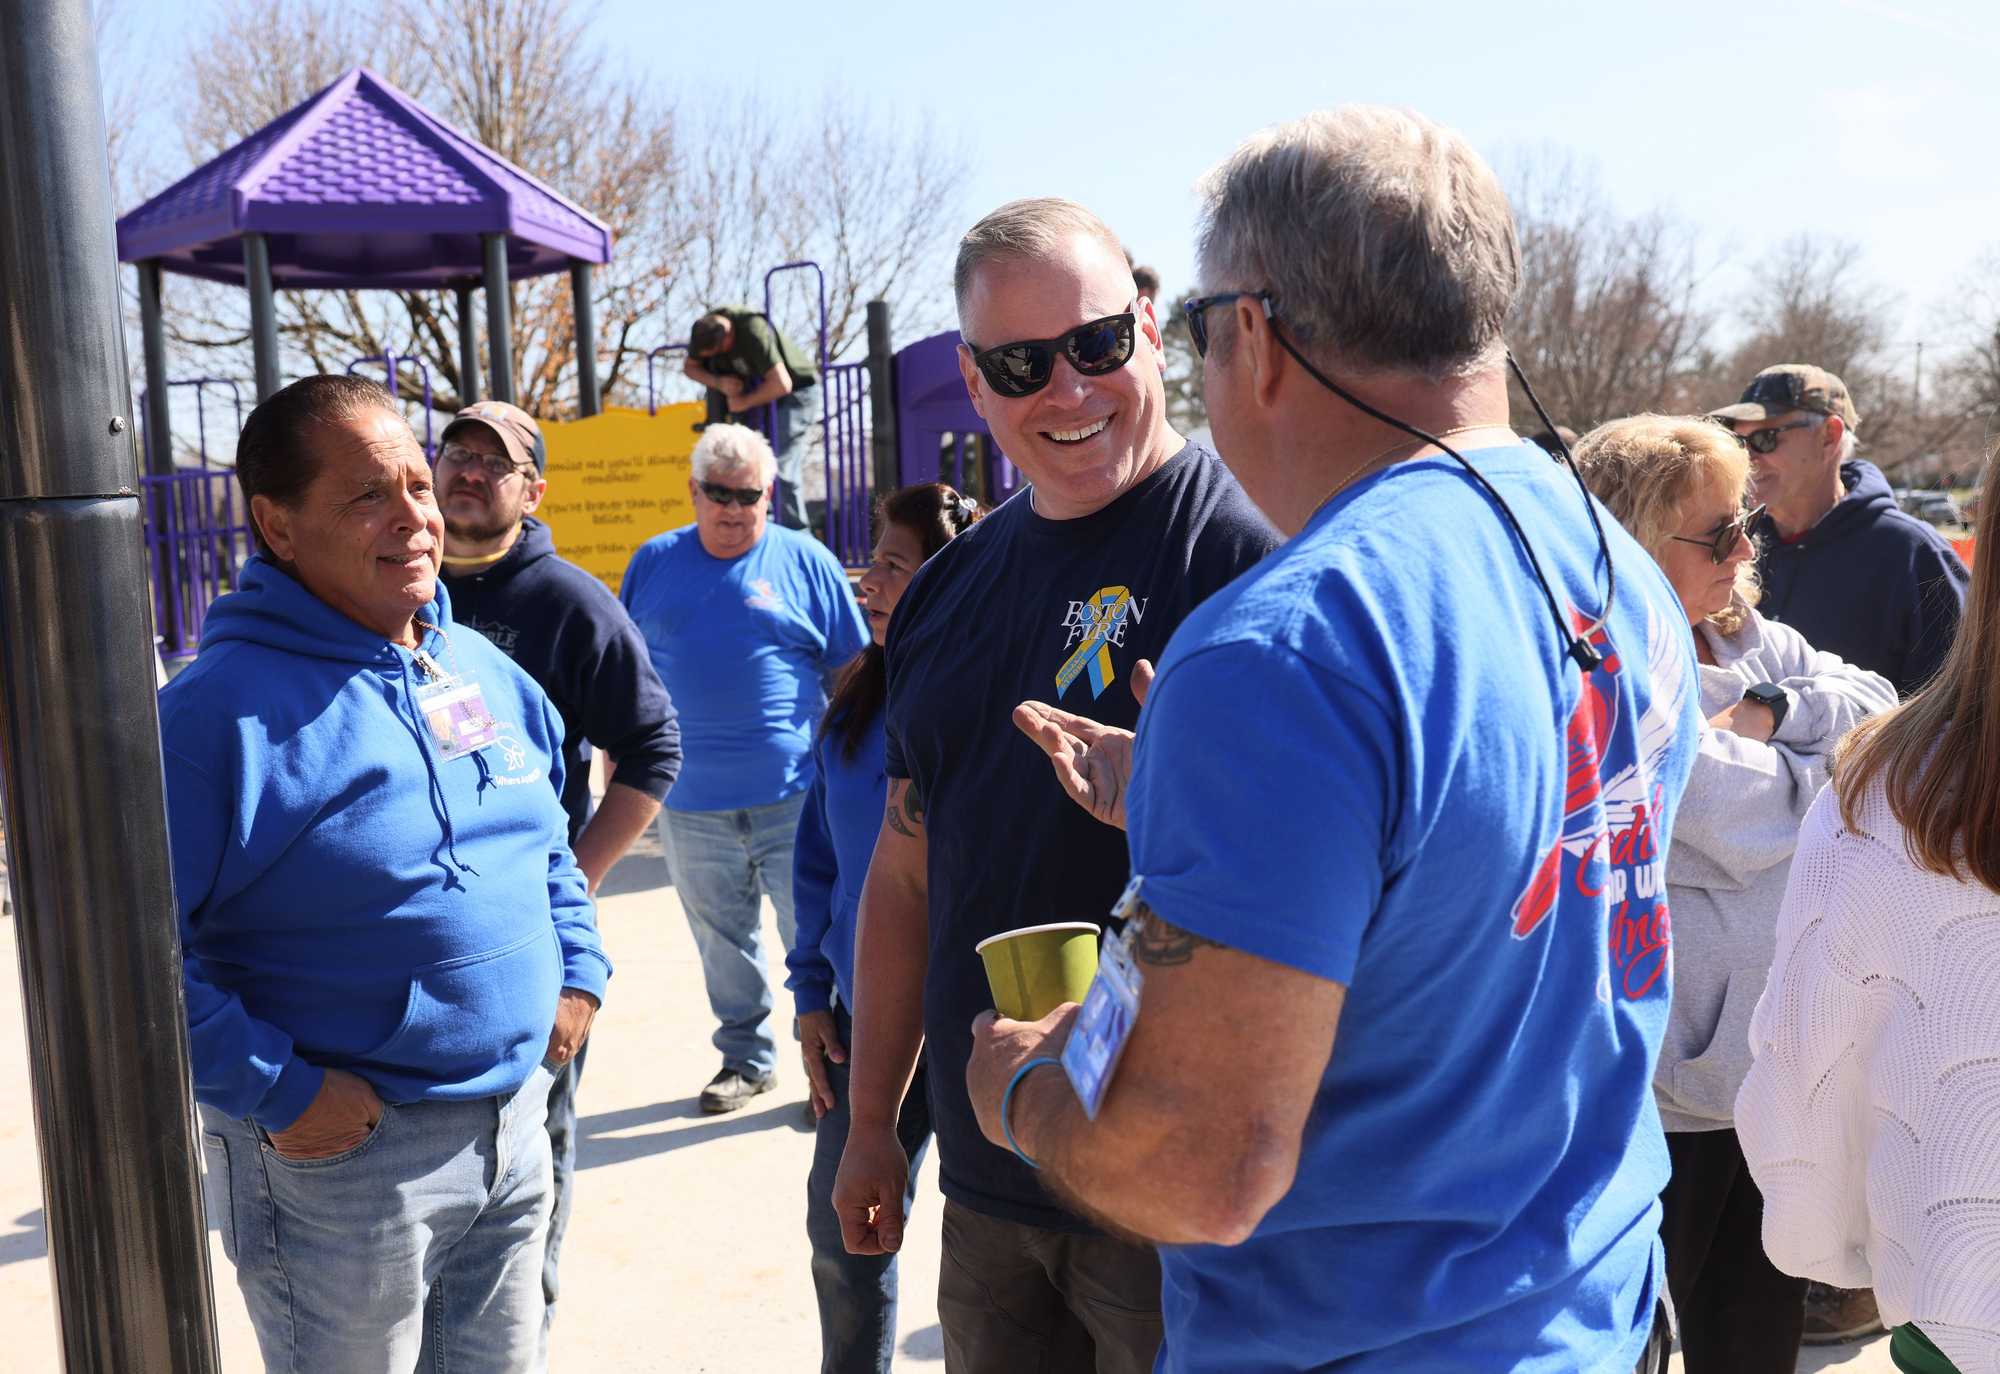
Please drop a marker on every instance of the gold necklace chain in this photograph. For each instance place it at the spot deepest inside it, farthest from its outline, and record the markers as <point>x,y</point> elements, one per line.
<point>1344,483</point>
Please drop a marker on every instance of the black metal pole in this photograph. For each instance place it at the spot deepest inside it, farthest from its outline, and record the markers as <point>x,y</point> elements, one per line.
<point>263,314</point>
<point>883,439</point>
<point>80,741</point>
<point>586,340</point>
<point>153,334</point>
<point>499,319</point>
<point>468,350</point>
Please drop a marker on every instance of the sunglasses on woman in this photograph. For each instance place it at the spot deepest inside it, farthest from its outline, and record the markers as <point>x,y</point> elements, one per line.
<point>1093,349</point>
<point>1724,539</point>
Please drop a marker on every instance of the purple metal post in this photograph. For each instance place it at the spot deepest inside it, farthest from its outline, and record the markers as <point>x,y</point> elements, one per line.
<point>652,396</point>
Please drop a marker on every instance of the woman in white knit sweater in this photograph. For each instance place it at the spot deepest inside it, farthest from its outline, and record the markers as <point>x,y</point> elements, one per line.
<point>1871,1117</point>
<point>1775,708</point>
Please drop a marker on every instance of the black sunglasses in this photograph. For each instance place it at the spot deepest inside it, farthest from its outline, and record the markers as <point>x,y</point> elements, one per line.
<point>1093,349</point>
<point>1724,539</point>
<point>1192,310</point>
<point>1767,440</point>
<point>723,496</point>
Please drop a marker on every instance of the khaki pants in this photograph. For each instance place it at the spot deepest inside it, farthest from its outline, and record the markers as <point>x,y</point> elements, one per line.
<point>1015,1298</point>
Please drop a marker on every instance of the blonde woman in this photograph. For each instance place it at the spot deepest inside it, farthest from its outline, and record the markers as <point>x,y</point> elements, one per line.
<point>1871,1117</point>
<point>1775,707</point>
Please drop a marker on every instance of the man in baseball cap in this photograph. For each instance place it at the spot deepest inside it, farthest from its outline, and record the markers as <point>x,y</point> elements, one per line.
<point>1840,561</point>
<point>567,631</point>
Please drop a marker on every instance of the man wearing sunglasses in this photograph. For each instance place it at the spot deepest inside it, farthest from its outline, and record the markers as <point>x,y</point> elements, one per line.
<point>741,357</point>
<point>1061,595</point>
<point>567,632</point>
<point>1840,561</point>
<point>1397,954</point>
<point>747,623</point>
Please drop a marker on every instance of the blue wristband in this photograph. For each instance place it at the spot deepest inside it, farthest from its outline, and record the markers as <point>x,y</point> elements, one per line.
<point>1007,1101</point>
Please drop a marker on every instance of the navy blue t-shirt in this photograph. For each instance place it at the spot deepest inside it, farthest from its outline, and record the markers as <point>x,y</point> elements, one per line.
<point>1021,608</point>
<point>1371,760</point>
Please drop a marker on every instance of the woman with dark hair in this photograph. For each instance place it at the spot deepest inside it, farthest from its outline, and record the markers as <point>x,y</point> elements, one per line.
<point>837,829</point>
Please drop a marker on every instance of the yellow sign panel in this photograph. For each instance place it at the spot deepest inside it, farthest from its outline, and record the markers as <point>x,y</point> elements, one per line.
<point>615,481</point>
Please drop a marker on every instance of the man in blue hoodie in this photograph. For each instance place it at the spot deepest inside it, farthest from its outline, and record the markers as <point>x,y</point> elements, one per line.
<point>388,947</point>
<point>1841,563</point>
<point>568,631</point>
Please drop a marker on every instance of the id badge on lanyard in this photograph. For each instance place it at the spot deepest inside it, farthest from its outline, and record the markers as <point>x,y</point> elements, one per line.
<point>455,710</point>
<point>1110,1010</point>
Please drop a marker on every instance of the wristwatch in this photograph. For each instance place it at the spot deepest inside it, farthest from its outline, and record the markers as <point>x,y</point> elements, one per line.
<point>1771,695</point>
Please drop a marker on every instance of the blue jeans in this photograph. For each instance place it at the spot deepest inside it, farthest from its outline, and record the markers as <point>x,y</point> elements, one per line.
<point>720,861</point>
<point>421,1247</point>
<point>562,1155</point>
<point>788,443</point>
<point>857,1293</point>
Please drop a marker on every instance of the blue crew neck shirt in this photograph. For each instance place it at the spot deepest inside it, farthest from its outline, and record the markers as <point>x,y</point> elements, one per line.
<point>745,645</point>
<point>1371,759</point>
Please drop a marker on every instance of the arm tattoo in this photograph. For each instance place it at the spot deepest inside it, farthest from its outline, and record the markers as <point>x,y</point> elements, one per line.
<point>1160,944</point>
<point>913,803</point>
<point>894,815</point>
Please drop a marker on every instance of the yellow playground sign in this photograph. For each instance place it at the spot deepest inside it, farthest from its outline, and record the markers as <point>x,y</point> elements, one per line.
<point>615,481</point>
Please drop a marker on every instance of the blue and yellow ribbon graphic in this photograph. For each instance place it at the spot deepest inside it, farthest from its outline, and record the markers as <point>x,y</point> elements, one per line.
<point>1106,610</point>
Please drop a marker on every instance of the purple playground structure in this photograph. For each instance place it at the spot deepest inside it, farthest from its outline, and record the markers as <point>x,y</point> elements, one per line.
<point>358,188</point>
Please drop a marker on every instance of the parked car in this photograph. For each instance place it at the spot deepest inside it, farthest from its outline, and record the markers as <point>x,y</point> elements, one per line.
<point>1934,508</point>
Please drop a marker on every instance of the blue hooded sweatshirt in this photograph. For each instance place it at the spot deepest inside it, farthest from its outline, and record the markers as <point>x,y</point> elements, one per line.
<point>349,897</point>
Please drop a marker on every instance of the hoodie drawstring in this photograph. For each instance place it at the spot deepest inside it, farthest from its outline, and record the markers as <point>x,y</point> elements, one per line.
<point>439,805</point>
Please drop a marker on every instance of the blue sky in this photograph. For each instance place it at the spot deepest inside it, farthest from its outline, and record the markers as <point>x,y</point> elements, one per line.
<point>1869,120</point>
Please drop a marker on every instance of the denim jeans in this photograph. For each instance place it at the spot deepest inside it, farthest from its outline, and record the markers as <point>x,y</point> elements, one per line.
<point>788,443</point>
<point>857,1293</point>
<point>421,1247</point>
<point>562,1155</point>
<point>720,861</point>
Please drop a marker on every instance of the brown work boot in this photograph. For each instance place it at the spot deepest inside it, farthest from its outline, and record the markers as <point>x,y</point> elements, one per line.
<point>1834,1315</point>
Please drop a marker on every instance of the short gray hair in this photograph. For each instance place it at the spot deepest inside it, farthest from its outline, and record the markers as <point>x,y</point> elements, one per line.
<point>1384,239</point>
<point>1025,229</point>
<point>731,448</point>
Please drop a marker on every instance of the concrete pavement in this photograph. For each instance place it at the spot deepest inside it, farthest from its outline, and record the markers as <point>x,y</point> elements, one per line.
<point>687,1248</point>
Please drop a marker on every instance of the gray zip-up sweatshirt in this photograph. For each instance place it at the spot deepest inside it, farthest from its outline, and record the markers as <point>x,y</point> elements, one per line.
<point>1732,851</point>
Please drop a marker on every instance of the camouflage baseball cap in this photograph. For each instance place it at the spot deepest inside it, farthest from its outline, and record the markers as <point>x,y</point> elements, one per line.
<point>1792,386</point>
<point>514,427</point>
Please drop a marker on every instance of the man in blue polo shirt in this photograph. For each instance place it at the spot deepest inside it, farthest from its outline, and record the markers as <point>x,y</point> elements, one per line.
<point>1398,815</point>
<point>745,623</point>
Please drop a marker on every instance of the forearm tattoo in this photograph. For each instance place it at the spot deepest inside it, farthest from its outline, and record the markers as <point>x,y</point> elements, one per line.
<point>903,797</point>
<point>1161,944</point>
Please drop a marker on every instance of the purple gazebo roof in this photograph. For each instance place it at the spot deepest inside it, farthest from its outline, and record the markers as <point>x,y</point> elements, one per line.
<point>360,187</point>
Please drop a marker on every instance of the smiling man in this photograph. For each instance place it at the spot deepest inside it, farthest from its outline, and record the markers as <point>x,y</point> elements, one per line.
<point>388,944</point>
<point>746,623</point>
<point>1058,594</point>
<point>1841,563</point>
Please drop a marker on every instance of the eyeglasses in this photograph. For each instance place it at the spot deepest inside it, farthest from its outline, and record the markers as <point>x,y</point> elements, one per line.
<point>1093,349</point>
<point>498,465</point>
<point>1198,327</point>
<point>723,496</point>
<point>1724,539</point>
<point>1767,440</point>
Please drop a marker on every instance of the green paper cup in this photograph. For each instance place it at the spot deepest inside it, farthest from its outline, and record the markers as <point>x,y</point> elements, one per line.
<point>1036,969</point>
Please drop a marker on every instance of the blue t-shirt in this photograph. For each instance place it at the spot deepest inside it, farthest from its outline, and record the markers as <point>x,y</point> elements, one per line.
<point>1021,608</point>
<point>745,646</point>
<point>1372,760</point>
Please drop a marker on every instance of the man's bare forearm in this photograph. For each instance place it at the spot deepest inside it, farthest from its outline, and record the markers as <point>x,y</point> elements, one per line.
<point>891,957</point>
<point>620,819</point>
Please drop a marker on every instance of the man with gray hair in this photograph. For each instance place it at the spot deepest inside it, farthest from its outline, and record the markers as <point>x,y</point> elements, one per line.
<point>1840,561</point>
<point>1066,591</point>
<point>1395,973</point>
<point>746,623</point>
